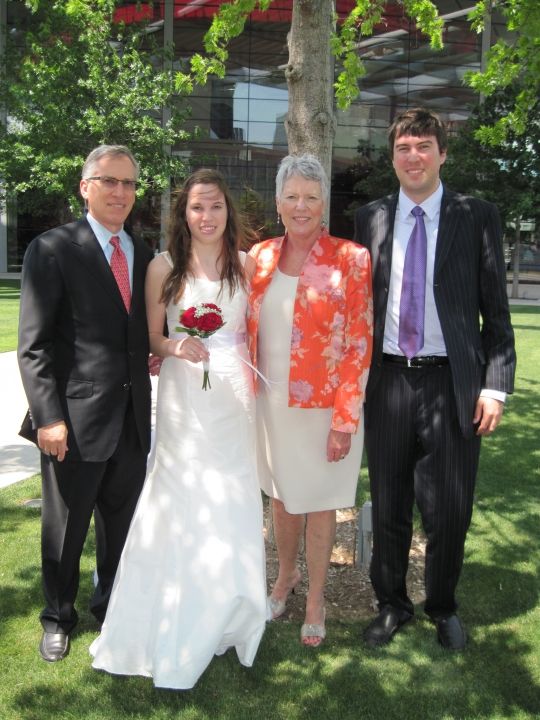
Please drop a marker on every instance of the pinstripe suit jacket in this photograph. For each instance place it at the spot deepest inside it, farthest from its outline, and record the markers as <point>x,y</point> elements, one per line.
<point>469,286</point>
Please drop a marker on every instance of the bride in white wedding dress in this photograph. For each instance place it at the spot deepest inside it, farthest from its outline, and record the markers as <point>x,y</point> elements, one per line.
<point>191,581</point>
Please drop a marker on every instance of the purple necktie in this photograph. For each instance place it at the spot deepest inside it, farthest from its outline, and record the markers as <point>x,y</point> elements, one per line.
<point>413,289</point>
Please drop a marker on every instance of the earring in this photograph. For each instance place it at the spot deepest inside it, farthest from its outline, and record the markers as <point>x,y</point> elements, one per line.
<point>279,219</point>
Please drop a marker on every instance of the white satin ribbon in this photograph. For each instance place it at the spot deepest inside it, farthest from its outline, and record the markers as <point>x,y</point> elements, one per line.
<point>222,339</point>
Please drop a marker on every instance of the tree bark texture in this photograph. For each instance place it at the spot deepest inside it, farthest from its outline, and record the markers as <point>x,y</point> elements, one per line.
<point>310,123</point>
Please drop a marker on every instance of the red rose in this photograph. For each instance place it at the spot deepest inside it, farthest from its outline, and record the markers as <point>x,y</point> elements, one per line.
<point>209,322</point>
<point>188,319</point>
<point>202,320</point>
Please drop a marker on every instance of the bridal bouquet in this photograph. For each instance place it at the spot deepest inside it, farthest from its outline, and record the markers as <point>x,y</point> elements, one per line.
<point>202,321</point>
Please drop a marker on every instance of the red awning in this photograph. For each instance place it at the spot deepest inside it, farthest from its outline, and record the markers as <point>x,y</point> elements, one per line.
<point>279,11</point>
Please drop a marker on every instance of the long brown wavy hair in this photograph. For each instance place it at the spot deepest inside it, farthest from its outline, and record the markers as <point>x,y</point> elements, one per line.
<point>235,236</point>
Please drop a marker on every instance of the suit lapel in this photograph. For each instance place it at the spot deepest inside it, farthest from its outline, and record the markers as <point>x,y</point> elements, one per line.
<point>448,223</point>
<point>139,272</point>
<point>385,233</point>
<point>381,233</point>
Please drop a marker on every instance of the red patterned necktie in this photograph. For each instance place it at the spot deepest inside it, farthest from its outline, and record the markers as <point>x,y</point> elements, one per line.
<point>120,271</point>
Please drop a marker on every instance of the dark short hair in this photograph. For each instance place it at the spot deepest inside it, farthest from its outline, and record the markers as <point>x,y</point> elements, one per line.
<point>418,122</point>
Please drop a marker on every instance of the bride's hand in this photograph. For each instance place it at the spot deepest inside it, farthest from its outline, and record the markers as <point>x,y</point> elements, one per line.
<point>189,348</point>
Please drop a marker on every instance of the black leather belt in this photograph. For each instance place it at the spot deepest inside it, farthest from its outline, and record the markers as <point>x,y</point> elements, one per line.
<point>417,362</point>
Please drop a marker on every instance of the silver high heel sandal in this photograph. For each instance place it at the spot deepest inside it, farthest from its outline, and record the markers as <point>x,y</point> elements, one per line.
<point>314,630</point>
<point>277,607</point>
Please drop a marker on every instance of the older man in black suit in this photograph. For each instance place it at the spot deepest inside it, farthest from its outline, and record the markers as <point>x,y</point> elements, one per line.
<point>83,357</point>
<point>439,376</point>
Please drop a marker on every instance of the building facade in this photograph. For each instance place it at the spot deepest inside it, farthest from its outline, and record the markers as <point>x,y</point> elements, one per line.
<point>239,119</point>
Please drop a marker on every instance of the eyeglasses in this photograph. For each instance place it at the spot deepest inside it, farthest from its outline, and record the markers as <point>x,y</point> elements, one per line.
<point>110,183</point>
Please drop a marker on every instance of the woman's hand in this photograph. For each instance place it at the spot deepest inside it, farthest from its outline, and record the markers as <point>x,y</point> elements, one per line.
<point>337,445</point>
<point>189,348</point>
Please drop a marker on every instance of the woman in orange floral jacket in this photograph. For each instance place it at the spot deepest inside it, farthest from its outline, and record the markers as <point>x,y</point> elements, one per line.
<point>310,325</point>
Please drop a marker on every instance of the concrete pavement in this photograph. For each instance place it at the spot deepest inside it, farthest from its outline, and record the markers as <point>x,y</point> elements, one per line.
<point>19,458</point>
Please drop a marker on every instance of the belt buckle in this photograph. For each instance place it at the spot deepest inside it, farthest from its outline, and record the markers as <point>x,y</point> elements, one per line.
<point>409,362</point>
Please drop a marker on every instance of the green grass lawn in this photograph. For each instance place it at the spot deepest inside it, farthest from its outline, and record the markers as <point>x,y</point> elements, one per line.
<point>9,313</point>
<point>496,678</point>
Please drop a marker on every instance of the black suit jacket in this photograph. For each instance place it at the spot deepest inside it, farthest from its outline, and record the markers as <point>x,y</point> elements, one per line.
<point>469,282</point>
<point>81,355</point>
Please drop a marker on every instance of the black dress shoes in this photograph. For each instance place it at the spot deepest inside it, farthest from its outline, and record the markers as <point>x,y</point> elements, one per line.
<point>451,633</point>
<point>54,646</point>
<point>381,630</point>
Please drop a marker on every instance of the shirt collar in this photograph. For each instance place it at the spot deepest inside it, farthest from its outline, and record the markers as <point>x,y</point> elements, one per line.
<point>102,234</point>
<point>431,205</point>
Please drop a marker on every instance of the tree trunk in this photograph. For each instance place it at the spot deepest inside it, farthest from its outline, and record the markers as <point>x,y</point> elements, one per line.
<point>516,254</point>
<point>310,123</point>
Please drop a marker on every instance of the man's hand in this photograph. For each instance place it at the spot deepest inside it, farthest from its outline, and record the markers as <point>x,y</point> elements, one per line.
<point>487,415</point>
<point>154,364</point>
<point>52,439</point>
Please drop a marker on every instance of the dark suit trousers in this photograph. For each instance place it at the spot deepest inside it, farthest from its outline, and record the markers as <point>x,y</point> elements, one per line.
<point>71,491</point>
<point>416,451</point>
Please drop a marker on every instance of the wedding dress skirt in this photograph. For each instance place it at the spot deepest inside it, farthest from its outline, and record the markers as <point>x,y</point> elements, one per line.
<point>191,581</point>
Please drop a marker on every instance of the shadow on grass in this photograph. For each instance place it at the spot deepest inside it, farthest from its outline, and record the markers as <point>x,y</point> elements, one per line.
<point>501,593</point>
<point>25,591</point>
<point>517,311</point>
<point>13,518</point>
<point>10,289</point>
<point>510,447</point>
<point>413,678</point>
<point>507,507</point>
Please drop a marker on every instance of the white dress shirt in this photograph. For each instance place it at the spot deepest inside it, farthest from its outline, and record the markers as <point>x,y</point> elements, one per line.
<point>403,227</point>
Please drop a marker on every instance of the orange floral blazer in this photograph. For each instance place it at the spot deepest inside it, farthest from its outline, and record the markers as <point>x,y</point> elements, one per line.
<point>332,333</point>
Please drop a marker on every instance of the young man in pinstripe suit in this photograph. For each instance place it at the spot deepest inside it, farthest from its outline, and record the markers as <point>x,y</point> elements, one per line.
<point>426,411</point>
